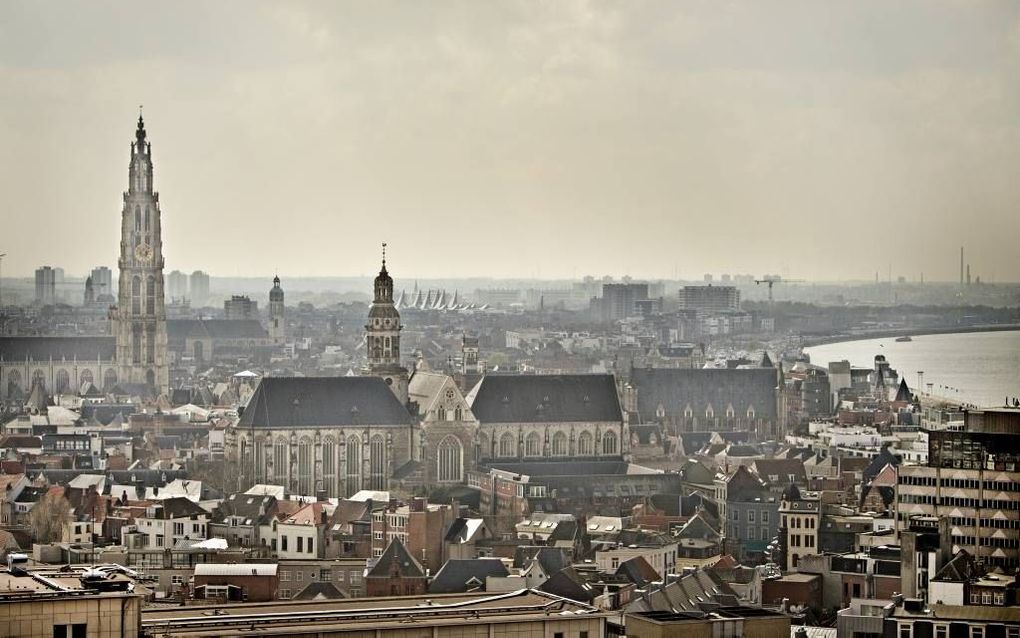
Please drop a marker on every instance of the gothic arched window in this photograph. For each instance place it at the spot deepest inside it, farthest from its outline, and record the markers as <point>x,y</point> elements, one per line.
<point>39,378</point>
<point>244,458</point>
<point>136,343</point>
<point>585,444</point>
<point>138,218</point>
<point>441,413</point>
<point>559,444</point>
<point>13,382</point>
<point>458,414</point>
<point>109,379</point>
<point>304,466</point>
<point>609,442</point>
<point>377,462</point>
<point>259,464</point>
<point>147,215</point>
<point>450,459</point>
<point>150,343</point>
<point>136,295</point>
<point>150,295</point>
<point>329,465</point>
<point>86,377</point>
<point>533,445</point>
<point>352,460</point>
<point>63,381</point>
<point>506,445</point>
<point>280,459</point>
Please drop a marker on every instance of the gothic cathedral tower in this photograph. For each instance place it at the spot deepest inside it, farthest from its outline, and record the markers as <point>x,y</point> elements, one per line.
<point>139,321</point>
<point>382,337</point>
<point>277,325</point>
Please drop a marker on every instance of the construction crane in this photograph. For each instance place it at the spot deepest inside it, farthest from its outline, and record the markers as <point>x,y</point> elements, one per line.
<point>771,281</point>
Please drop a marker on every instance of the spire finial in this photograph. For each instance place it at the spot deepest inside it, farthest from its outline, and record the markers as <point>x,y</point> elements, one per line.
<point>140,132</point>
<point>384,255</point>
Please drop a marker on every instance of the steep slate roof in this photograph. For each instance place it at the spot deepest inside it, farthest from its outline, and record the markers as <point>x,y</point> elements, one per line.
<point>570,584</point>
<point>215,329</point>
<point>57,348</point>
<point>552,559</point>
<point>249,506</point>
<point>675,389</point>
<point>462,575</point>
<point>545,398</point>
<point>638,571</point>
<point>960,569</point>
<point>178,507</point>
<point>323,402</point>
<point>903,393</point>
<point>319,591</point>
<point>782,469</point>
<point>463,530</point>
<point>396,560</point>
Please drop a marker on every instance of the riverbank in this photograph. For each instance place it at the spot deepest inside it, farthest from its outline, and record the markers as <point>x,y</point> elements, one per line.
<point>809,342</point>
<point>975,367</point>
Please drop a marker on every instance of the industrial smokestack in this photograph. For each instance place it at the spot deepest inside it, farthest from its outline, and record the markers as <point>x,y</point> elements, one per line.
<point>961,265</point>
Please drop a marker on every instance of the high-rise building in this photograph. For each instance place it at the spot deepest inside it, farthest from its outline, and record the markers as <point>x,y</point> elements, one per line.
<point>620,300</point>
<point>45,285</point>
<point>102,284</point>
<point>177,286</point>
<point>199,289</point>
<point>382,336</point>
<point>709,298</point>
<point>277,323</point>
<point>241,307</point>
<point>139,322</point>
<point>971,478</point>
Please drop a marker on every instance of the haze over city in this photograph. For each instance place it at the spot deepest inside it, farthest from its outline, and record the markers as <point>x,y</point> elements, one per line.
<point>547,140</point>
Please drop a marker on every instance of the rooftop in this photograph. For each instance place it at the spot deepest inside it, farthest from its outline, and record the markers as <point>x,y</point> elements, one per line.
<point>361,614</point>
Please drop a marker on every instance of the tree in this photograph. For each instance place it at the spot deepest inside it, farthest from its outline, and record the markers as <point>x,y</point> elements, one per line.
<point>48,517</point>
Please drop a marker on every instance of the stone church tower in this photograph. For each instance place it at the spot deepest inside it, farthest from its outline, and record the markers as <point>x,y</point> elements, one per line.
<point>139,320</point>
<point>383,336</point>
<point>277,325</point>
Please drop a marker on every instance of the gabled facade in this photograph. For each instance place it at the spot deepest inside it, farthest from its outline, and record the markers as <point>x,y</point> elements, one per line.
<point>448,427</point>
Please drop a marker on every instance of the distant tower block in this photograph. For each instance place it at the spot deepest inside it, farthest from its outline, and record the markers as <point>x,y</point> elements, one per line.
<point>139,320</point>
<point>382,335</point>
<point>277,323</point>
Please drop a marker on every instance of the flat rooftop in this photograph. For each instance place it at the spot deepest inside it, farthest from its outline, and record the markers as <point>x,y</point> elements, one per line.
<point>361,614</point>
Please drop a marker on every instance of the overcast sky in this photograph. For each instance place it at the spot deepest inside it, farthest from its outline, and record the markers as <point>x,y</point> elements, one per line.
<point>821,140</point>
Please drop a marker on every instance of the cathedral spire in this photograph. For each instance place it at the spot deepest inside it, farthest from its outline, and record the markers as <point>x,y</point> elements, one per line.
<point>383,282</point>
<point>140,131</point>
<point>139,321</point>
<point>382,336</point>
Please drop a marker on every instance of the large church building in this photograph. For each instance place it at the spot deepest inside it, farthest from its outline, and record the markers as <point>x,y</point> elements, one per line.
<point>134,357</point>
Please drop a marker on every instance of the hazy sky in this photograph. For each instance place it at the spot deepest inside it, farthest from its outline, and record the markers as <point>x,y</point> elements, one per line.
<point>551,139</point>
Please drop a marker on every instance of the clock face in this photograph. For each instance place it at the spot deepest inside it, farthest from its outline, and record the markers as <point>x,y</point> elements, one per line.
<point>143,252</point>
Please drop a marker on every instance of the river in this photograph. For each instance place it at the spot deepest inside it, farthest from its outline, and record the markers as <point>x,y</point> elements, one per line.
<point>982,368</point>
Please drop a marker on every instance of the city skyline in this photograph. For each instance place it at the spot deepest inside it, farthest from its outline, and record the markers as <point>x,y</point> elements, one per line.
<point>604,139</point>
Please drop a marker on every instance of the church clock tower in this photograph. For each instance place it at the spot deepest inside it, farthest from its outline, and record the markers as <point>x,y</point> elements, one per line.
<point>382,337</point>
<point>139,320</point>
